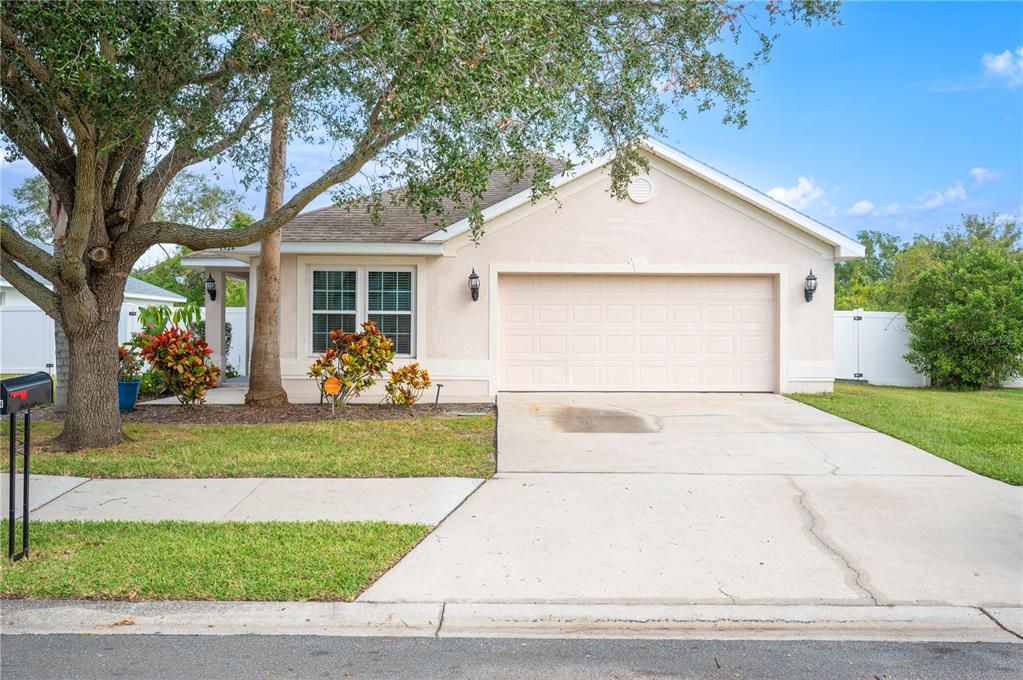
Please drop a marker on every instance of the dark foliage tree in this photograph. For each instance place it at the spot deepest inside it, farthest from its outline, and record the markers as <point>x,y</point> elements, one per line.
<point>110,101</point>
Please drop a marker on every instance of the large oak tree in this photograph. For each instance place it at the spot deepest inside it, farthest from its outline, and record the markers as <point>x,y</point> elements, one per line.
<point>111,100</point>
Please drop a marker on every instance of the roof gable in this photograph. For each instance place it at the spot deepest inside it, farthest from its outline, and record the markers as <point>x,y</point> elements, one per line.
<point>845,247</point>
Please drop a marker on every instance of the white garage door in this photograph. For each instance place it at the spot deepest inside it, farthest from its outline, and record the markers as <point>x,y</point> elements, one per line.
<point>623,332</point>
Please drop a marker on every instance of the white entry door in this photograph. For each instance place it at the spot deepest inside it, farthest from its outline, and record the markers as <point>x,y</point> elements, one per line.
<point>636,332</point>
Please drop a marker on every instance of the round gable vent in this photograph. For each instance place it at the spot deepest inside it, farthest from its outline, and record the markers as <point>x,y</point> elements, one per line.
<point>641,189</point>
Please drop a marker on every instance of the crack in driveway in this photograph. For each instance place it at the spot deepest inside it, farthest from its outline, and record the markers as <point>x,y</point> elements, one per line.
<point>854,577</point>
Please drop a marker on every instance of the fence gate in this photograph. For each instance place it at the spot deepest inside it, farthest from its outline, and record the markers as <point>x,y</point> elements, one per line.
<point>871,346</point>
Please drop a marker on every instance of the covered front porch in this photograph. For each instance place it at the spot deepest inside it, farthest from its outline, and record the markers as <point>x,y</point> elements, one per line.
<point>230,348</point>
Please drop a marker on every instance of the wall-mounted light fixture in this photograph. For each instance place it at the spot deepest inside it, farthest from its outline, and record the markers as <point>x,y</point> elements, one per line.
<point>474,285</point>
<point>810,287</point>
<point>211,287</point>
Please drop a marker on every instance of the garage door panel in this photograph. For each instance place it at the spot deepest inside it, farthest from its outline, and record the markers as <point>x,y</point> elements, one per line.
<point>606,332</point>
<point>653,314</point>
<point>653,344</point>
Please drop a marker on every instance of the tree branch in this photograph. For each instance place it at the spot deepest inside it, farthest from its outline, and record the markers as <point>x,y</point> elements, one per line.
<point>26,138</point>
<point>124,197</point>
<point>42,74</point>
<point>152,187</point>
<point>23,281</point>
<point>27,253</point>
<point>138,239</point>
<point>42,112</point>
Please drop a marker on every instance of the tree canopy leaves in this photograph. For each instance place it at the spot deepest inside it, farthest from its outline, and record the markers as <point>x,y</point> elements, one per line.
<point>110,101</point>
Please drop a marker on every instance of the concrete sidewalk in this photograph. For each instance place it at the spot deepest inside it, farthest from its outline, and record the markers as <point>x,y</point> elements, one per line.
<point>42,490</point>
<point>405,500</point>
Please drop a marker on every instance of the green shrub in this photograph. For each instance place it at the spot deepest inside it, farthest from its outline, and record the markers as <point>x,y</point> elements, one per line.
<point>407,384</point>
<point>153,384</point>
<point>352,363</point>
<point>965,314</point>
<point>181,357</point>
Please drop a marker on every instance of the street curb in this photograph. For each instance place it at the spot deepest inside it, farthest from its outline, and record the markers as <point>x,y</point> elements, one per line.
<point>776,622</point>
<point>457,619</point>
<point>219,618</point>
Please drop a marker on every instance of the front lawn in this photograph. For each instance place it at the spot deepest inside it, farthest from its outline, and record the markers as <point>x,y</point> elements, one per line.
<point>276,561</point>
<point>409,447</point>
<point>981,431</point>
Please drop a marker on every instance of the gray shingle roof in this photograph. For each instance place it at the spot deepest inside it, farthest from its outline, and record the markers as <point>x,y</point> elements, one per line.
<point>135,286</point>
<point>399,223</point>
<point>216,254</point>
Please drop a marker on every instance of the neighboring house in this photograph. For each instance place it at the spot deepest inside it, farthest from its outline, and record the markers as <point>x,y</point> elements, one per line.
<point>136,292</point>
<point>26,332</point>
<point>694,284</point>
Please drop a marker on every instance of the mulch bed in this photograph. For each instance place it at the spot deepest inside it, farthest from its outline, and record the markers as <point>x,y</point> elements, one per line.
<point>220,414</point>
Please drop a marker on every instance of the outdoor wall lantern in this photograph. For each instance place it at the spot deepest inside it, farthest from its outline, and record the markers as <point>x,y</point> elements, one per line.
<point>211,286</point>
<point>811,286</point>
<point>474,285</point>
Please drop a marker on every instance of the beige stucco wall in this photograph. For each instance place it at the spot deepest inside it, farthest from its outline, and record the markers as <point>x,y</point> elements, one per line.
<point>688,226</point>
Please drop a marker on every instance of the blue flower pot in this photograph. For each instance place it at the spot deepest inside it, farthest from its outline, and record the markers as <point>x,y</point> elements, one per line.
<point>127,394</point>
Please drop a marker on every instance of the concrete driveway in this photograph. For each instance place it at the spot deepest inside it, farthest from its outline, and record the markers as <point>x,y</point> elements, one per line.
<point>715,498</point>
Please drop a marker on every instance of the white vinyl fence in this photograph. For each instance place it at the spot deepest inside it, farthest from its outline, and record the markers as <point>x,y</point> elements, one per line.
<point>27,344</point>
<point>26,337</point>
<point>870,346</point>
<point>238,356</point>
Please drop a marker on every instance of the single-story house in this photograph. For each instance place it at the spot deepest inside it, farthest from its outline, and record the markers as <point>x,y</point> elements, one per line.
<point>696,283</point>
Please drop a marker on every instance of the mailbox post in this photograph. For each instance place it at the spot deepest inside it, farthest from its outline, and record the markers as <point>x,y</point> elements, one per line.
<point>19,395</point>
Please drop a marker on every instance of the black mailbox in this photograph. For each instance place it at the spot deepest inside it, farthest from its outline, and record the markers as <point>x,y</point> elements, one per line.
<point>19,395</point>
<point>24,392</point>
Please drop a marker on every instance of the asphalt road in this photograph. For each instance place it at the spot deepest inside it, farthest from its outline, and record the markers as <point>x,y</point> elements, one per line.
<point>84,657</point>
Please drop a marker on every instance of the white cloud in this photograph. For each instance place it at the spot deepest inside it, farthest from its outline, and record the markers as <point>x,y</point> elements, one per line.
<point>861,208</point>
<point>983,175</point>
<point>1004,217</point>
<point>933,199</point>
<point>805,194</point>
<point>1005,66</point>
<point>929,200</point>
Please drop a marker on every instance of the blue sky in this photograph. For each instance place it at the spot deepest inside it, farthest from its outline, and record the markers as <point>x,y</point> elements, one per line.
<point>900,119</point>
<point>878,123</point>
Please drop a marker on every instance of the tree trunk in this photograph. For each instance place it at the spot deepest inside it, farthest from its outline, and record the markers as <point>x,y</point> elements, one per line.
<point>265,387</point>
<point>92,419</point>
<point>60,369</point>
<point>58,219</point>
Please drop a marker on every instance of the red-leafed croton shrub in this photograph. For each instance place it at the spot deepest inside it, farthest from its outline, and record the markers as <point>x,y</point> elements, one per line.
<point>352,363</point>
<point>407,384</point>
<point>181,357</point>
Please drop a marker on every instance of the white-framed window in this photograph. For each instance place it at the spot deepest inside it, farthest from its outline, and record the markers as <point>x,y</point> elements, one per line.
<point>344,297</point>
<point>334,305</point>
<point>389,304</point>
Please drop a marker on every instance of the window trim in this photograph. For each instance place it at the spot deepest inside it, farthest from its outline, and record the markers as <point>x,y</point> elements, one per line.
<point>362,299</point>
<point>313,312</point>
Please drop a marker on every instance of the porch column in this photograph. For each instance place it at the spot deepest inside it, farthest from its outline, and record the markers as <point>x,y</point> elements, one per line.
<point>250,311</point>
<point>215,322</point>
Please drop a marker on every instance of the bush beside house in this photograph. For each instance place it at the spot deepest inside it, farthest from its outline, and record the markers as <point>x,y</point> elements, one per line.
<point>966,319</point>
<point>962,294</point>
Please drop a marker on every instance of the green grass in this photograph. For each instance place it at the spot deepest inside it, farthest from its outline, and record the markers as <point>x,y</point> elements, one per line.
<point>412,447</point>
<point>981,431</point>
<point>198,561</point>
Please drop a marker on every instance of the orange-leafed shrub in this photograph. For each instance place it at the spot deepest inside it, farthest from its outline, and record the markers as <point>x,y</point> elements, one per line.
<point>356,360</point>
<point>181,357</point>
<point>407,384</point>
